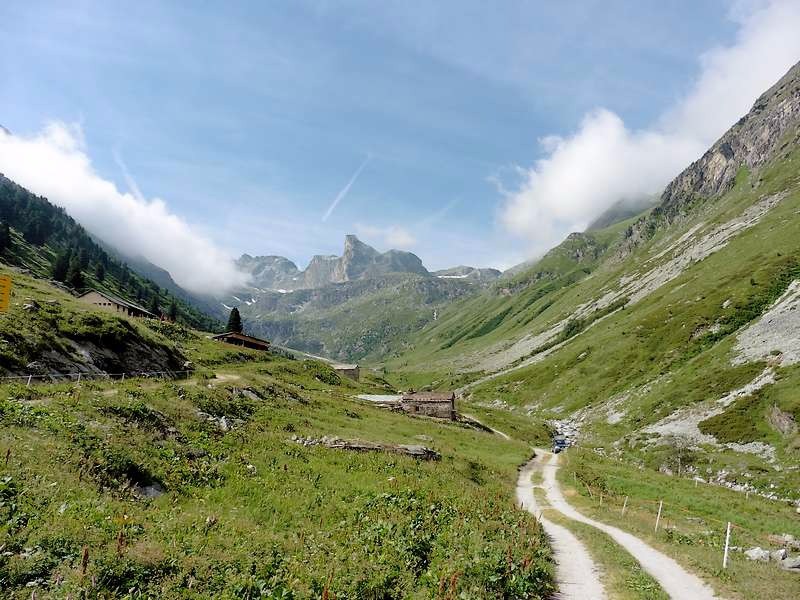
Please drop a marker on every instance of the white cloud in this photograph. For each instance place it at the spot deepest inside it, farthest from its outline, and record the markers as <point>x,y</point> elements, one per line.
<point>604,161</point>
<point>393,236</point>
<point>55,164</point>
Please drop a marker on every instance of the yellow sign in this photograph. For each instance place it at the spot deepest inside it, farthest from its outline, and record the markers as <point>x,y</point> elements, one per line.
<point>5,292</point>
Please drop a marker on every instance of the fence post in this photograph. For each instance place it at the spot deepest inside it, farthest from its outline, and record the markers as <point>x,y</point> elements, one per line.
<point>123,377</point>
<point>79,378</point>
<point>727,545</point>
<point>29,380</point>
<point>658,518</point>
<point>624,506</point>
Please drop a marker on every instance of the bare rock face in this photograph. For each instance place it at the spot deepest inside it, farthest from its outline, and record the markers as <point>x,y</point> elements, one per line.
<point>772,125</point>
<point>270,272</point>
<point>358,261</point>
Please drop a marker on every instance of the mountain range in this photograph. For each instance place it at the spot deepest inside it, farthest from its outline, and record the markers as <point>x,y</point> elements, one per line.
<point>358,261</point>
<point>364,303</point>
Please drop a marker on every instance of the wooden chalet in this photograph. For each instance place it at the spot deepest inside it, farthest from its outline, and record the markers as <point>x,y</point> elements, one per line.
<point>240,339</point>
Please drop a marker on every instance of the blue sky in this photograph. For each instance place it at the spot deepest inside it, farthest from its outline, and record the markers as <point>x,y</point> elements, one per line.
<point>248,118</point>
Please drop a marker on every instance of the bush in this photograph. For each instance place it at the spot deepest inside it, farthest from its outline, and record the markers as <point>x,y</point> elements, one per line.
<point>322,372</point>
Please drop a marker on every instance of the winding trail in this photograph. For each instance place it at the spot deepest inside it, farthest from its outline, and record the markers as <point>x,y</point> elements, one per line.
<point>577,575</point>
<point>674,579</point>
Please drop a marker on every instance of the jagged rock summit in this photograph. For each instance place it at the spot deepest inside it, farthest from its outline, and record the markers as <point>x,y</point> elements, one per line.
<point>358,261</point>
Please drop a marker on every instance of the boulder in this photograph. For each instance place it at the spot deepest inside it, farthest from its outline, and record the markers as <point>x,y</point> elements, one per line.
<point>758,554</point>
<point>778,555</point>
<point>791,564</point>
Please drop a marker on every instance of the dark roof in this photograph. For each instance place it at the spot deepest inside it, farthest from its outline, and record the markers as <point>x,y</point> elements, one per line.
<point>118,301</point>
<point>239,336</point>
<point>430,396</point>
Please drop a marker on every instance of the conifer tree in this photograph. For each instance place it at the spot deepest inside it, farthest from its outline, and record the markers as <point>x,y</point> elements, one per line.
<point>74,274</point>
<point>61,265</point>
<point>5,237</point>
<point>154,307</point>
<point>173,311</point>
<point>235,321</point>
<point>100,271</point>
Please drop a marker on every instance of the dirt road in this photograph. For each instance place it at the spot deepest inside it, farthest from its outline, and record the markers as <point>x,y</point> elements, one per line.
<point>576,573</point>
<point>674,579</point>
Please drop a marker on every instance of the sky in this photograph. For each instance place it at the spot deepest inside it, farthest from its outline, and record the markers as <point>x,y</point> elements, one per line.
<point>465,131</point>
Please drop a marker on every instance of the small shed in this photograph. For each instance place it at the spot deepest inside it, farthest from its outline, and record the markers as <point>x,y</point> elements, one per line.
<point>107,302</point>
<point>240,339</point>
<point>351,371</point>
<point>430,404</point>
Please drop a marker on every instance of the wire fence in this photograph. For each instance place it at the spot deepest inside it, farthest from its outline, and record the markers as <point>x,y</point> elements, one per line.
<point>78,377</point>
<point>683,526</point>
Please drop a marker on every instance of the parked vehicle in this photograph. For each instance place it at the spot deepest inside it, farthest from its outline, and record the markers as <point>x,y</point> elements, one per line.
<point>560,443</point>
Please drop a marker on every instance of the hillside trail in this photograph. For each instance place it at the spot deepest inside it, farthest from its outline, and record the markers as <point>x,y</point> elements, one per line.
<point>674,579</point>
<point>577,575</point>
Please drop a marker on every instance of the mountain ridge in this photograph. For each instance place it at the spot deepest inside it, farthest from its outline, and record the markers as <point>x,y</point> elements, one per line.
<point>357,261</point>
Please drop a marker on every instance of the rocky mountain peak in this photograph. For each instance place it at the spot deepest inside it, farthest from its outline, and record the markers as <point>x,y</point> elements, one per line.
<point>269,272</point>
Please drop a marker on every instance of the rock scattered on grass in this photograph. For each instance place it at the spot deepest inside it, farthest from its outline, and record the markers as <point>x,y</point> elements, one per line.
<point>415,451</point>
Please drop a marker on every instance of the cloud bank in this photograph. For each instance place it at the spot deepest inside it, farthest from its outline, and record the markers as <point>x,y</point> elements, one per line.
<point>54,164</point>
<point>581,175</point>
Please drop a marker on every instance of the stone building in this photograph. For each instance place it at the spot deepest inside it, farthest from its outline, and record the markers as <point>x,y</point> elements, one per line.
<point>441,405</point>
<point>351,371</point>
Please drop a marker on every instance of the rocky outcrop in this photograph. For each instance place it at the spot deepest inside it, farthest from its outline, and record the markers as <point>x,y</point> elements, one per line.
<point>770,128</point>
<point>270,272</point>
<point>412,450</point>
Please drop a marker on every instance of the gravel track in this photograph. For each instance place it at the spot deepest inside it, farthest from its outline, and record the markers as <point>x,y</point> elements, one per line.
<point>674,579</point>
<point>577,574</point>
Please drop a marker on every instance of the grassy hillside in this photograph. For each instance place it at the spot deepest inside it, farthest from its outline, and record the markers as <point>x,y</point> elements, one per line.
<point>675,348</point>
<point>468,331</point>
<point>355,321</point>
<point>671,338</point>
<point>47,331</point>
<point>135,489</point>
